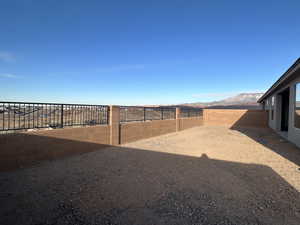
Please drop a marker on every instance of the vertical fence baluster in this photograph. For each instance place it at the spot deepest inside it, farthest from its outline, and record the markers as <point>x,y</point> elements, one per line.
<point>29,116</point>
<point>8,109</point>
<point>97,116</point>
<point>82,115</point>
<point>85,115</point>
<point>37,116</point>
<point>24,113</point>
<point>72,115</point>
<point>57,117</point>
<point>19,116</point>
<point>46,117</point>
<point>3,116</point>
<point>32,112</point>
<point>92,115</point>
<point>14,110</point>
<point>76,114</point>
<point>50,114</point>
<point>62,116</point>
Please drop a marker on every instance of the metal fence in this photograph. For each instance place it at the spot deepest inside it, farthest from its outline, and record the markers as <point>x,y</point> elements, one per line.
<point>136,113</point>
<point>191,112</point>
<point>25,115</point>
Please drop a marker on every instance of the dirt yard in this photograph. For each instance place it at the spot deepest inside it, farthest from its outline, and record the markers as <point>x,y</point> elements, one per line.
<point>204,175</point>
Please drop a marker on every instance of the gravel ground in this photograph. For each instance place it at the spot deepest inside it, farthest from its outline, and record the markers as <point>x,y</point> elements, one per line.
<point>204,175</point>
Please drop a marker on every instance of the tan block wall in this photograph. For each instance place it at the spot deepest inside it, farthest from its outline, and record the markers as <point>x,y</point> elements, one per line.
<point>235,118</point>
<point>140,130</point>
<point>22,149</point>
<point>186,123</point>
<point>94,134</point>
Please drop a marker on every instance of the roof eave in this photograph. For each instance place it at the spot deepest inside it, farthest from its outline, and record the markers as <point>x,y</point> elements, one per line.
<point>284,77</point>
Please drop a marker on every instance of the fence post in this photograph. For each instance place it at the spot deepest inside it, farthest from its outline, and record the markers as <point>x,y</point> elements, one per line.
<point>177,119</point>
<point>114,123</point>
<point>62,116</point>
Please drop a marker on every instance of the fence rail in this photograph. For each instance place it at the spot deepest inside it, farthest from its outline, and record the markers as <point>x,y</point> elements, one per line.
<point>29,115</point>
<point>135,113</point>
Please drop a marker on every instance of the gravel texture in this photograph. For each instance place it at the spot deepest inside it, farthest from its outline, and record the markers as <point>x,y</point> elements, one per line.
<point>204,175</point>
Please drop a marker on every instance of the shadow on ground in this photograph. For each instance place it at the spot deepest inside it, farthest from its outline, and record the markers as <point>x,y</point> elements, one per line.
<point>23,150</point>
<point>119,185</point>
<point>269,138</point>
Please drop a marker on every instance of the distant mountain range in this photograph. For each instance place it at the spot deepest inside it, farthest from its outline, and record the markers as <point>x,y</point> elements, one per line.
<point>240,101</point>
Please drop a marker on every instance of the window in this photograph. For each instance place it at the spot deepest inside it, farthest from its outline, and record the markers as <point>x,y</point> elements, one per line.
<point>272,107</point>
<point>297,106</point>
<point>267,105</point>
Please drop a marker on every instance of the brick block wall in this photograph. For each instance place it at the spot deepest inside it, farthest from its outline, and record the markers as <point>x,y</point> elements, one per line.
<point>94,134</point>
<point>134,131</point>
<point>186,123</point>
<point>235,118</point>
<point>22,149</point>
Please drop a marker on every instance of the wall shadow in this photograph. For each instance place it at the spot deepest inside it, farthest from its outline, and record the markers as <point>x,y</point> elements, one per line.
<point>121,185</point>
<point>26,149</point>
<point>264,135</point>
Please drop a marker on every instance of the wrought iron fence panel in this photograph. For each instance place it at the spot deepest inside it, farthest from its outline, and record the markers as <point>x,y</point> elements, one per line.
<point>136,113</point>
<point>132,113</point>
<point>25,115</point>
<point>191,112</point>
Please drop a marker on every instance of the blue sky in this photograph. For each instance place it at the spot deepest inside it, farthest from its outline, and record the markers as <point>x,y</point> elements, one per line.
<point>143,52</point>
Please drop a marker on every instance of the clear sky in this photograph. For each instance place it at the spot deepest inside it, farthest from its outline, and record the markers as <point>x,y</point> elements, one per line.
<point>143,52</point>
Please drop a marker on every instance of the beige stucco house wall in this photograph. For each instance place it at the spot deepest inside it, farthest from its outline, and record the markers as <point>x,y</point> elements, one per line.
<point>288,81</point>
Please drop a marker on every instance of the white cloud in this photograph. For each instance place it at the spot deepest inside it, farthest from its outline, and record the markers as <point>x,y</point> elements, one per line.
<point>9,75</point>
<point>120,68</point>
<point>7,57</point>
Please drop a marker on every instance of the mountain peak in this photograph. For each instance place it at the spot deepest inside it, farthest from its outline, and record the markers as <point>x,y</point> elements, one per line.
<point>242,100</point>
